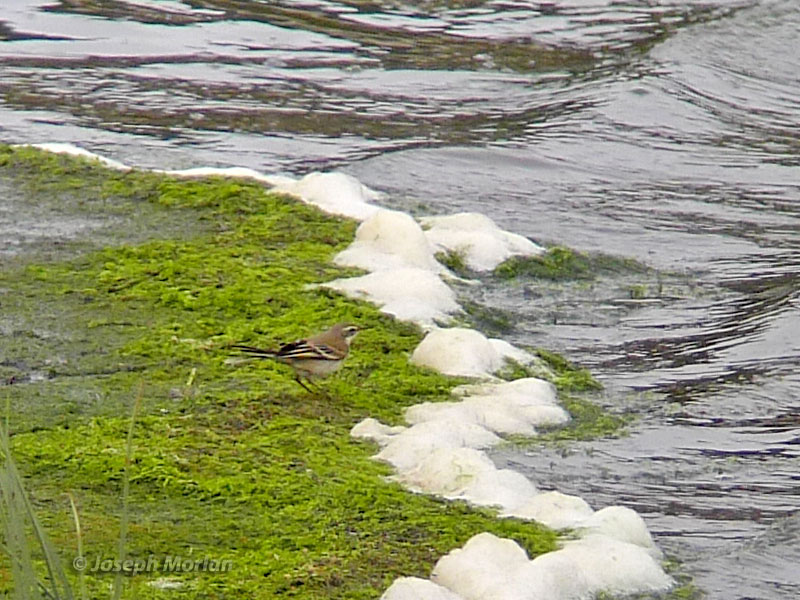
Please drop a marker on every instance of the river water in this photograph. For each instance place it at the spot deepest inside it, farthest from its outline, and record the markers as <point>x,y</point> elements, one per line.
<point>663,131</point>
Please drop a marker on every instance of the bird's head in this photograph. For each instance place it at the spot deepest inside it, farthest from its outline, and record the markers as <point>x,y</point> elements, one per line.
<point>347,330</point>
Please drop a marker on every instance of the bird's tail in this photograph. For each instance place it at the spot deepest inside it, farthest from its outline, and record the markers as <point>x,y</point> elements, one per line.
<point>254,352</point>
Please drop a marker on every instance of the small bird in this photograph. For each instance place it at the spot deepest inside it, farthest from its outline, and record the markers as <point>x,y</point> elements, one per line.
<point>312,357</point>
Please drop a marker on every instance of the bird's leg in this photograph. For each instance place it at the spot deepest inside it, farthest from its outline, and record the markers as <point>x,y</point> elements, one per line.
<point>303,385</point>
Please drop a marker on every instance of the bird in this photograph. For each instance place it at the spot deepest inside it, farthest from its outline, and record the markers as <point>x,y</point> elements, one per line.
<point>313,357</point>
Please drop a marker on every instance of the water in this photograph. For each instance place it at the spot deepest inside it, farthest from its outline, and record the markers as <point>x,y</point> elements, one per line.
<point>662,131</point>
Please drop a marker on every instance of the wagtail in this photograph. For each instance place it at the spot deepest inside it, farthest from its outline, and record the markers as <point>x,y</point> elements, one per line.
<point>312,357</point>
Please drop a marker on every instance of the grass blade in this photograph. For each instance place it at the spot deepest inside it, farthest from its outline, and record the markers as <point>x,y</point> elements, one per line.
<point>81,579</point>
<point>126,486</point>
<point>17,511</point>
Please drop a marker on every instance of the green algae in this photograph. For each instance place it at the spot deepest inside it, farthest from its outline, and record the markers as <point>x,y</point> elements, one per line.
<point>456,261</point>
<point>589,420</point>
<point>488,319</point>
<point>575,387</point>
<point>229,462</point>
<point>567,376</point>
<point>562,263</point>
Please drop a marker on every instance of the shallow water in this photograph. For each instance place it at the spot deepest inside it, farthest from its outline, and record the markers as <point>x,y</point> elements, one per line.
<point>664,131</point>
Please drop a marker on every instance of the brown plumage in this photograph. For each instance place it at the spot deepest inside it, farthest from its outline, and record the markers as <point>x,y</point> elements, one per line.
<point>313,357</point>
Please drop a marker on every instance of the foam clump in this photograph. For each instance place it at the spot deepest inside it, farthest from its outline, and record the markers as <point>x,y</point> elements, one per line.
<point>408,294</point>
<point>510,351</point>
<point>553,509</point>
<point>537,390</point>
<point>389,239</point>
<point>446,471</point>
<point>478,239</point>
<point>562,511</point>
<point>623,524</point>
<point>482,567</point>
<point>334,193</point>
<point>502,488</point>
<point>415,588</point>
<point>73,150</point>
<point>513,407</point>
<point>615,567</point>
<point>500,418</point>
<point>404,279</point>
<point>408,448</point>
<point>553,576</point>
<point>372,429</point>
<point>493,568</point>
<point>467,474</point>
<point>465,352</point>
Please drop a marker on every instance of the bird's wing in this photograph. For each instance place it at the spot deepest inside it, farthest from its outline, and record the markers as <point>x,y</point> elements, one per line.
<point>304,349</point>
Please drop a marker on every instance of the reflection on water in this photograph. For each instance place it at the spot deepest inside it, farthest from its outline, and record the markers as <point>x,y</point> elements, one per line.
<point>384,79</point>
<point>665,131</point>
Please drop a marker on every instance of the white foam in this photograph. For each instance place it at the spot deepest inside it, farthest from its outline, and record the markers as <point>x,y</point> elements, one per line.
<point>489,567</point>
<point>475,236</point>
<point>407,449</point>
<point>482,566</point>
<point>510,351</point>
<point>404,278</point>
<point>372,429</point>
<point>553,509</point>
<point>334,193</point>
<point>467,474</point>
<point>414,588</point>
<point>621,523</point>
<point>446,471</point>
<point>440,453</point>
<point>279,182</point>
<point>554,576</point>
<point>499,419</point>
<point>511,407</point>
<point>504,489</point>
<point>409,294</point>
<point>72,150</point>
<point>389,239</point>
<point>465,352</point>
<point>615,567</point>
<point>530,389</point>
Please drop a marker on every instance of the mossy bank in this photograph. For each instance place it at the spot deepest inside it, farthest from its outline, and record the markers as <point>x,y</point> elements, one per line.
<point>230,463</point>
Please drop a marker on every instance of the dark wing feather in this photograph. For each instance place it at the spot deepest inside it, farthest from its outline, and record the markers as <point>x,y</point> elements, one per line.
<point>253,351</point>
<point>291,347</point>
<point>303,349</point>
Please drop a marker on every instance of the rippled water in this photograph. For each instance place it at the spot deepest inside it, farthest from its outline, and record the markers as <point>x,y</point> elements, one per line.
<point>663,131</point>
